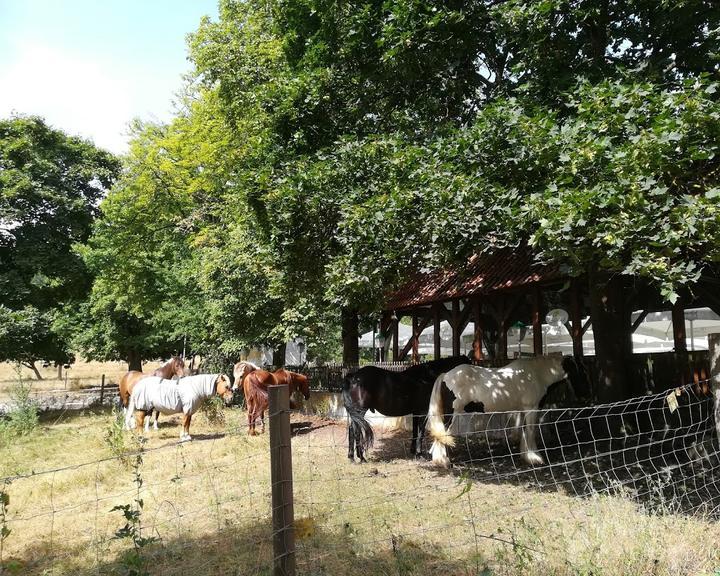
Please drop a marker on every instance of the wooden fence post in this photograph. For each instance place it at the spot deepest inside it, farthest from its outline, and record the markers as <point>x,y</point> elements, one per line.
<point>714,348</point>
<point>281,480</point>
<point>102,389</point>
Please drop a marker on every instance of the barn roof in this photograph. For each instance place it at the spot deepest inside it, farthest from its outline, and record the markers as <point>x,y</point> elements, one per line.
<point>499,270</point>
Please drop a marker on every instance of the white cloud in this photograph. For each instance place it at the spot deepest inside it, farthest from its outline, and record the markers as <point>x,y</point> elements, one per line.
<point>81,94</point>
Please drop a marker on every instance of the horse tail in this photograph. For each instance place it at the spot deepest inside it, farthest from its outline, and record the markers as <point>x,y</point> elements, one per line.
<point>130,413</point>
<point>436,425</point>
<point>361,427</point>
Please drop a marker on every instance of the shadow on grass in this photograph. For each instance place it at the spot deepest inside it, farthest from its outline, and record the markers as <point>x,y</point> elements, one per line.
<point>246,550</point>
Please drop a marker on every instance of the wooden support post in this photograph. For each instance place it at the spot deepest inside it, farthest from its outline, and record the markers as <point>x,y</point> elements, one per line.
<point>576,317</point>
<point>681,353</point>
<point>456,329</point>
<point>678,321</point>
<point>436,331</point>
<point>714,350</point>
<point>537,323</point>
<point>395,337</point>
<point>102,389</point>
<point>415,339</point>
<point>385,326</point>
<point>478,334</point>
<point>281,481</point>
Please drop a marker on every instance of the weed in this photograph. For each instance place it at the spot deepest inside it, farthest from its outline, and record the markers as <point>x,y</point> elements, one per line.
<point>133,560</point>
<point>4,530</point>
<point>23,416</point>
<point>115,437</point>
<point>213,410</point>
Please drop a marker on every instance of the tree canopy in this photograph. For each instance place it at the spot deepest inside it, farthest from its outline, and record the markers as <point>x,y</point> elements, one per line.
<point>50,187</point>
<point>325,149</point>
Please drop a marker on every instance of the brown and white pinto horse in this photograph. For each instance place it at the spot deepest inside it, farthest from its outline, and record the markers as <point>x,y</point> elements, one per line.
<point>255,388</point>
<point>173,367</point>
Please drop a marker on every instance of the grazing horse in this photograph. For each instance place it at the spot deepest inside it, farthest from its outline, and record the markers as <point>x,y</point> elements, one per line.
<point>172,397</point>
<point>391,394</point>
<point>519,386</point>
<point>255,386</point>
<point>240,370</point>
<point>173,367</point>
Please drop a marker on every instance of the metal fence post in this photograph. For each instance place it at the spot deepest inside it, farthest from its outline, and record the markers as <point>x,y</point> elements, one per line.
<point>102,389</point>
<point>281,480</point>
<point>714,348</point>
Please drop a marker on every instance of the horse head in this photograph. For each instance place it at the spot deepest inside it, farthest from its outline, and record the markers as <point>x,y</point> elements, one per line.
<point>224,389</point>
<point>178,366</point>
<point>302,383</point>
<point>240,370</point>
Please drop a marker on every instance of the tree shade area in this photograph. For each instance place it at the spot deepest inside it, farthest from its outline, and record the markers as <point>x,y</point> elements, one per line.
<point>324,152</point>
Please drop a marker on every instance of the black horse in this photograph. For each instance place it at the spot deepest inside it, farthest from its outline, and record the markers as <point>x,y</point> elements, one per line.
<point>391,394</point>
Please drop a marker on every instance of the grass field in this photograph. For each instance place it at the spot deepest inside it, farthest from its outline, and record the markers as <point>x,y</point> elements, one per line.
<point>81,375</point>
<point>207,503</point>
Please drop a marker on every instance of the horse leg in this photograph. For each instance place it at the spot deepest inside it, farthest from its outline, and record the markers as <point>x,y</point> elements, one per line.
<point>251,421</point>
<point>528,446</point>
<point>358,444</point>
<point>156,415</point>
<point>262,422</point>
<point>140,419</point>
<point>414,442</point>
<point>185,436</point>
<point>351,442</point>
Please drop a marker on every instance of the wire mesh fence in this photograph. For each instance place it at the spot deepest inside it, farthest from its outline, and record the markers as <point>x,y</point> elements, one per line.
<point>619,486</point>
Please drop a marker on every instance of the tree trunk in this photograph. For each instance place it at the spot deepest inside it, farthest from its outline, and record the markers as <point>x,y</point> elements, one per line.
<point>134,361</point>
<point>279,356</point>
<point>613,340</point>
<point>350,327</point>
<point>59,373</point>
<point>32,367</point>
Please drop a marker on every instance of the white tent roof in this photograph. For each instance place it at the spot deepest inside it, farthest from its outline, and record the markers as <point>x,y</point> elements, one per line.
<point>655,334</point>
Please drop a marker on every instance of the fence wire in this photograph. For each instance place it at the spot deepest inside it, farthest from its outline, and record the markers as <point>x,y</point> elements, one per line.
<point>618,484</point>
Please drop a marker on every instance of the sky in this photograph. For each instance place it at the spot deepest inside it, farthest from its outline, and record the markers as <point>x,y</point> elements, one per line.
<point>90,66</point>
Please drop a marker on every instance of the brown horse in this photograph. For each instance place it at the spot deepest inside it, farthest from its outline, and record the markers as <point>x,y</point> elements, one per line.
<point>173,367</point>
<point>255,387</point>
<point>186,396</point>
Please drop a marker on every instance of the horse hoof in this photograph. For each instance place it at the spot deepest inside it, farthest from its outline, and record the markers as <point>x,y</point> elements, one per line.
<point>534,459</point>
<point>185,438</point>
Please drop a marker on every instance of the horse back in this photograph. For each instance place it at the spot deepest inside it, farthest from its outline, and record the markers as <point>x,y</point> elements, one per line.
<point>373,388</point>
<point>255,388</point>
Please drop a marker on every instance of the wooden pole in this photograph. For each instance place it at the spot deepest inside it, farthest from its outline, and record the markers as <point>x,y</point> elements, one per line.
<point>102,389</point>
<point>415,338</point>
<point>537,323</point>
<point>576,313</point>
<point>395,343</point>
<point>436,330</point>
<point>714,349</point>
<point>456,327</point>
<point>678,321</point>
<point>478,335</point>
<point>281,481</point>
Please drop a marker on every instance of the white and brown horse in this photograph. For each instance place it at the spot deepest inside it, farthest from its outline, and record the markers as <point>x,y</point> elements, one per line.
<point>173,397</point>
<point>518,387</point>
<point>173,367</point>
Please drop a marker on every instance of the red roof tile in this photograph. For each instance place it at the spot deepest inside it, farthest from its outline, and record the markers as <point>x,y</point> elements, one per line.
<point>484,273</point>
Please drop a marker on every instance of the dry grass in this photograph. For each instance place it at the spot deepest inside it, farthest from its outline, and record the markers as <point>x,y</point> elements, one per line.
<point>209,503</point>
<point>81,375</point>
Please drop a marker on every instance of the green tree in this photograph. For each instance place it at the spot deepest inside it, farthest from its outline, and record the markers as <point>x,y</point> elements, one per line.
<point>50,185</point>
